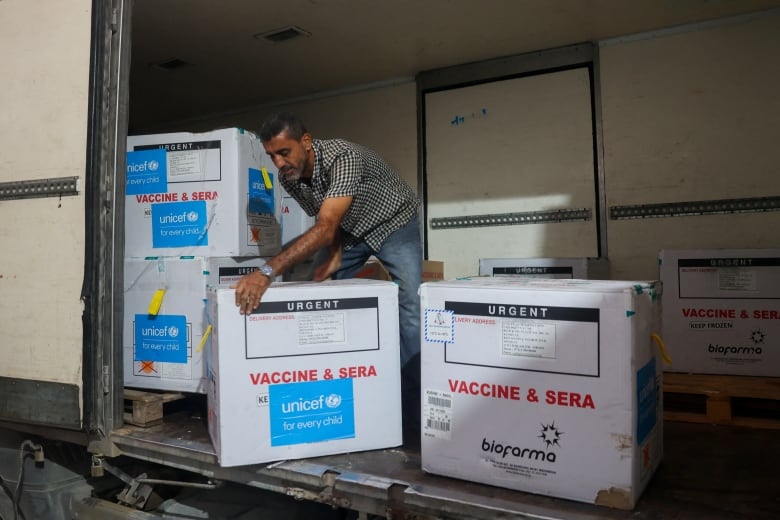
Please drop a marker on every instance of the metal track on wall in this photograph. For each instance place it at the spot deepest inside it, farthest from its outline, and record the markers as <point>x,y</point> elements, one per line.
<point>700,207</point>
<point>511,219</point>
<point>54,187</point>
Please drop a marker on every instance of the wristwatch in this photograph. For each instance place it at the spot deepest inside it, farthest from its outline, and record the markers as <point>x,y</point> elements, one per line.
<point>267,270</point>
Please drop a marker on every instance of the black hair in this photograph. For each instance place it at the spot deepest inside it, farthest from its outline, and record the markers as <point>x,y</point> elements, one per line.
<point>283,121</point>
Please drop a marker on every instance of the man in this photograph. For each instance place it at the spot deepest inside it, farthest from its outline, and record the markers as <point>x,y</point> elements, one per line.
<point>363,208</point>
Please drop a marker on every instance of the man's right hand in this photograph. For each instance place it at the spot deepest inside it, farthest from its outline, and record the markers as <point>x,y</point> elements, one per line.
<point>249,291</point>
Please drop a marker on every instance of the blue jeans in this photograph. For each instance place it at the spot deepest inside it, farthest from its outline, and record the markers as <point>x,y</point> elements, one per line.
<point>401,254</point>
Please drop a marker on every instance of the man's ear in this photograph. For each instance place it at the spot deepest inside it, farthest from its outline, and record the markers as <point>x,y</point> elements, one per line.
<point>306,140</point>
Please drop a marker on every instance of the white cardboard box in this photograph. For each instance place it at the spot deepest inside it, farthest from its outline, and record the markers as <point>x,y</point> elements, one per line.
<point>541,385</point>
<point>207,194</point>
<point>565,268</point>
<point>161,351</point>
<point>295,221</point>
<point>229,270</point>
<point>166,351</point>
<point>721,310</point>
<point>315,370</point>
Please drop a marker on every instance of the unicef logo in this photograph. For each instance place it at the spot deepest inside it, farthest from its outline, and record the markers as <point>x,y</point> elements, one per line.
<point>153,165</point>
<point>173,331</point>
<point>192,216</point>
<point>333,401</point>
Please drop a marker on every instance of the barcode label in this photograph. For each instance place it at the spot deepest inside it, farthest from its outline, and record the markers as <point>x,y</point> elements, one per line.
<point>442,426</point>
<point>439,401</point>
<point>437,414</point>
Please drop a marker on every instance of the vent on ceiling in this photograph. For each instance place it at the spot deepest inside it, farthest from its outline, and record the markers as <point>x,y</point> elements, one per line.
<point>282,35</point>
<point>171,64</point>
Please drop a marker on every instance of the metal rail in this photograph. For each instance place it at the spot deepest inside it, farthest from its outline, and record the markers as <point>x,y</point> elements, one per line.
<point>510,219</point>
<point>37,188</point>
<point>700,207</point>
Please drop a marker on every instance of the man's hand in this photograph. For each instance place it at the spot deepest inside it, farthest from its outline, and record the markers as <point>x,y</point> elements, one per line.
<point>249,291</point>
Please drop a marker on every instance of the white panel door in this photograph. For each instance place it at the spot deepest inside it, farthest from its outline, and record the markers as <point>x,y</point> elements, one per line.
<point>511,146</point>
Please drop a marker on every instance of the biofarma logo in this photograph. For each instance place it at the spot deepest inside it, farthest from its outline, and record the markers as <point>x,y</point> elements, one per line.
<point>757,337</point>
<point>550,436</point>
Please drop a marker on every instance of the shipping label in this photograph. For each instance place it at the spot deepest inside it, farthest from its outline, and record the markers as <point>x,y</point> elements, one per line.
<point>191,161</point>
<point>733,278</point>
<point>307,327</point>
<point>523,337</point>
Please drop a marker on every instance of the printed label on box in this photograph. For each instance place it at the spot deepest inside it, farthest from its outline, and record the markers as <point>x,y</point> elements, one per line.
<point>161,338</point>
<point>312,327</point>
<point>191,161</point>
<point>439,326</point>
<point>147,172</point>
<point>314,411</point>
<point>522,333</point>
<point>437,414</point>
<point>179,224</point>
<point>749,278</point>
<point>261,198</point>
<point>229,275</point>
<point>536,271</point>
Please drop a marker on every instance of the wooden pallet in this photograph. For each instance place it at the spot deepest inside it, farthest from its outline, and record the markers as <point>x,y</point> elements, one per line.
<point>719,399</point>
<point>145,408</point>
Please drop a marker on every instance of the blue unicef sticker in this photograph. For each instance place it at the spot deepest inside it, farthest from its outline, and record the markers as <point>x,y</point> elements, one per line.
<point>261,198</point>
<point>147,172</point>
<point>646,399</point>
<point>180,224</point>
<point>161,338</point>
<point>313,411</point>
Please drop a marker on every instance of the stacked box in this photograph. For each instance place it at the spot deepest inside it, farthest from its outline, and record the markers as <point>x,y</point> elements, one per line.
<point>542,385</point>
<point>165,318</point>
<point>563,268</point>
<point>314,370</point>
<point>194,201</point>
<point>295,221</point>
<point>206,194</point>
<point>721,310</point>
<point>433,270</point>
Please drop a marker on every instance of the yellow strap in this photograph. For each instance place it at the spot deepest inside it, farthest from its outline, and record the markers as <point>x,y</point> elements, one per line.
<point>204,338</point>
<point>664,353</point>
<point>156,302</point>
<point>266,179</point>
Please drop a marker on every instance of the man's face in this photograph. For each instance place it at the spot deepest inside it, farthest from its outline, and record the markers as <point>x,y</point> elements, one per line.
<point>290,156</point>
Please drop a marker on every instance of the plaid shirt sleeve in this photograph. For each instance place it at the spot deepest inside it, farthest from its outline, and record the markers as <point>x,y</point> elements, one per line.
<point>345,175</point>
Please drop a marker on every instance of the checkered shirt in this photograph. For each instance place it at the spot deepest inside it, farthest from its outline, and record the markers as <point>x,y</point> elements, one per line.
<point>381,201</point>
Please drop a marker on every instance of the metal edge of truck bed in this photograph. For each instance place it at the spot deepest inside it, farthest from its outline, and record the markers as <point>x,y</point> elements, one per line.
<point>388,482</point>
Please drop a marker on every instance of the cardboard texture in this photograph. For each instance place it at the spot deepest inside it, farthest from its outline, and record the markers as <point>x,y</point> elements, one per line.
<point>207,194</point>
<point>721,310</point>
<point>161,349</point>
<point>315,370</point>
<point>541,385</point>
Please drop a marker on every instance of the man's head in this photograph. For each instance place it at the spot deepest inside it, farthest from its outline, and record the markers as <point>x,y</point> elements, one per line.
<point>288,144</point>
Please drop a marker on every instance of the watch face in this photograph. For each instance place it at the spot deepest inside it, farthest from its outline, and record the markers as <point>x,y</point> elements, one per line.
<point>267,270</point>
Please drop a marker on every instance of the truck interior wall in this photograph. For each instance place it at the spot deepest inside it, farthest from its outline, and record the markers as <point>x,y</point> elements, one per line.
<point>514,146</point>
<point>691,116</point>
<point>381,117</point>
<point>42,254</point>
<point>688,114</point>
